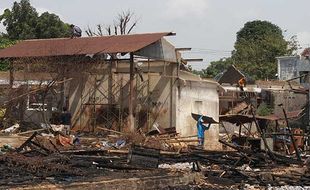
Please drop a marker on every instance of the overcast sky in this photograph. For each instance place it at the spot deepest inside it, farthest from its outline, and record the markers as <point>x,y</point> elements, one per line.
<point>208,26</point>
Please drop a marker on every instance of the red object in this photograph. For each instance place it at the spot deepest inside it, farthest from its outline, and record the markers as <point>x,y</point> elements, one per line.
<point>64,141</point>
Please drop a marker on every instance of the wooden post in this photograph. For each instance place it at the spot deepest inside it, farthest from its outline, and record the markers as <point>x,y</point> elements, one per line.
<point>131,94</point>
<point>171,94</point>
<point>11,75</point>
<point>291,134</point>
<point>262,134</point>
<point>148,96</point>
<point>94,119</point>
<point>121,104</point>
<point>110,94</point>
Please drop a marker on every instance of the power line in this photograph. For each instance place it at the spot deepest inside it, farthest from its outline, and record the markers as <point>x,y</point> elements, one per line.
<point>214,50</point>
<point>206,52</point>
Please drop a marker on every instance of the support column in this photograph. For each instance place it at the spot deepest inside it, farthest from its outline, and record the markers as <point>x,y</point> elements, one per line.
<point>131,94</point>
<point>62,94</point>
<point>110,94</point>
<point>11,75</point>
<point>172,94</point>
<point>148,96</point>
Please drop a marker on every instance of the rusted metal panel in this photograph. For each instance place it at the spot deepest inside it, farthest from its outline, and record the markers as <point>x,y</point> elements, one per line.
<point>231,76</point>
<point>81,46</point>
<point>241,119</point>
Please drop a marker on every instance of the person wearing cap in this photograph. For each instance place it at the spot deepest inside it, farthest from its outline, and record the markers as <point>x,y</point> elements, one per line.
<point>75,31</point>
<point>201,128</point>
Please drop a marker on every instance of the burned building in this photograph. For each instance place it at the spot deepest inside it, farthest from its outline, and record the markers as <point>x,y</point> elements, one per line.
<point>126,83</point>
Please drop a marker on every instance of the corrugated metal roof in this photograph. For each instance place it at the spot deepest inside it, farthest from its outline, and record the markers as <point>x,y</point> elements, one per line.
<point>81,46</point>
<point>241,119</point>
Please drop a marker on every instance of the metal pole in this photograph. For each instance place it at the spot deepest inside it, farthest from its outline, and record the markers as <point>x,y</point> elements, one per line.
<point>131,94</point>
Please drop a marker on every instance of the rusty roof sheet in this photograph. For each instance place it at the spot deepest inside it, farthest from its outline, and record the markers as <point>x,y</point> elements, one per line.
<point>236,119</point>
<point>241,119</point>
<point>81,46</point>
<point>280,116</point>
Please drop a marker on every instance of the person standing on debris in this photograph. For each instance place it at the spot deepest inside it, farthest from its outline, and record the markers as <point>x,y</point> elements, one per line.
<point>75,31</point>
<point>201,128</point>
<point>242,83</point>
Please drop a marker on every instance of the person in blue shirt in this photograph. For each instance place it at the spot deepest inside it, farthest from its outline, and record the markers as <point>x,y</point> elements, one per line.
<point>201,128</point>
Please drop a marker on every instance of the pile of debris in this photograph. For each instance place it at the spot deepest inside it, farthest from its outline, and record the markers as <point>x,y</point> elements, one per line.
<point>62,158</point>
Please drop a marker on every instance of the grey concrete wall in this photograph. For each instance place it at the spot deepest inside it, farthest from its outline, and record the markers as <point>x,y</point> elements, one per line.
<point>287,67</point>
<point>292,66</point>
<point>290,100</point>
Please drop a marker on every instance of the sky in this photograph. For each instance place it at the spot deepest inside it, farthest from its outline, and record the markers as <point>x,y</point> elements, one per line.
<point>209,27</point>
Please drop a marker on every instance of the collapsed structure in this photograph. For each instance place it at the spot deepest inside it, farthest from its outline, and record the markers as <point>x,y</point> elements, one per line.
<point>123,82</point>
<point>129,85</point>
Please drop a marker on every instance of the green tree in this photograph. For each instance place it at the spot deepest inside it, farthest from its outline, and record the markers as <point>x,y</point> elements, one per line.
<point>23,22</point>
<point>4,43</point>
<point>257,46</point>
<point>264,109</point>
<point>20,22</point>
<point>214,68</point>
<point>50,26</point>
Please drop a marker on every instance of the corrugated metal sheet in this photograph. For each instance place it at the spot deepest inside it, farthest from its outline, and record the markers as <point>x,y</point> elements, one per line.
<point>81,46</point>
<point>232,75</point>
<point>241,119</point>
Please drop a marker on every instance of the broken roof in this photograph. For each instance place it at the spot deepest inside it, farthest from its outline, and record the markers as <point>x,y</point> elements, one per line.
<point>305,52</point>
<point>232,75</point>
<point>236,119</point>
<point>81,46</point>
<point>241,119</point>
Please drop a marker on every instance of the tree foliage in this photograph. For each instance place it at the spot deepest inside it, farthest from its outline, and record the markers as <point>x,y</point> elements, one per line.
<point>23,22</point>
<point>4,43</point>
<point>264,109</point>
<point>50,26</point>
<point>20,21</point>
<point>214,68</point>
<point>257,46</point>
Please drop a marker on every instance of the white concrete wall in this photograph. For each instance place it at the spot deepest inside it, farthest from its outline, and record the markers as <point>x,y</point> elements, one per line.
<point>198,97</point>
